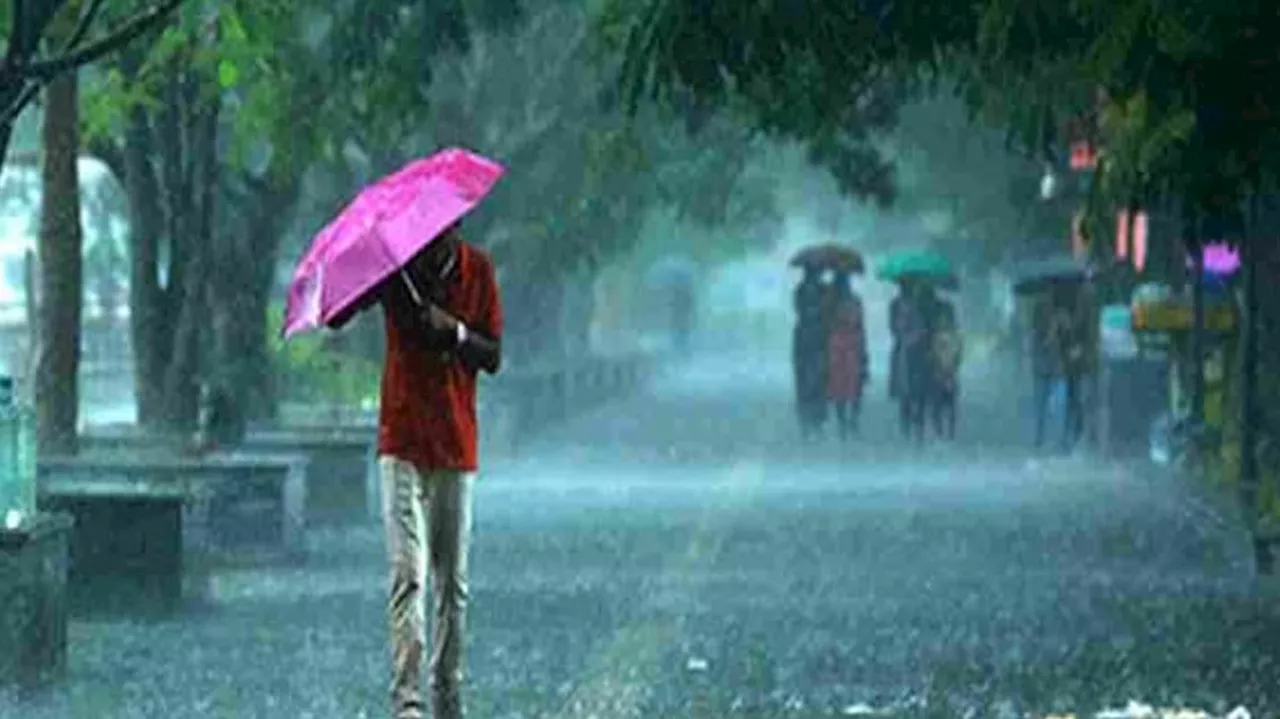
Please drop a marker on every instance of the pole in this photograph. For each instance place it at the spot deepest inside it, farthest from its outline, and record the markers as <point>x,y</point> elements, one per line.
<point>1196,245</point>
<point>1249,415</point>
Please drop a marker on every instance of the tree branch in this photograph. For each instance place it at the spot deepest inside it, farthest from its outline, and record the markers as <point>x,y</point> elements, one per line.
<point>86,21</point>
<point>30,92</point>
<point>43,70</point>
<point>20,103</point>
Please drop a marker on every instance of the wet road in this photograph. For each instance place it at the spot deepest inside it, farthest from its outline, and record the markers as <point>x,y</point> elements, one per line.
<point>679,555</point>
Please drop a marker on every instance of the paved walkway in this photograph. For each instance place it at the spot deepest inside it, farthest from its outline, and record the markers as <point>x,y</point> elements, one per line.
<point>681,555</point>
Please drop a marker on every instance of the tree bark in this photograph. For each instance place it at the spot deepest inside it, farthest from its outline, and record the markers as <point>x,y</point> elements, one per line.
<point>149,317</point>
<point>244,262</point>
<point>192,188</point>
<point>1195,245</point>
<point>168,166</point>
<point>1250,402</point>
<point>60,241</point>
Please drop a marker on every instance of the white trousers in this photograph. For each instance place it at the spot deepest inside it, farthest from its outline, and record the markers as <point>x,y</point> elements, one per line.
<point>427,514</point>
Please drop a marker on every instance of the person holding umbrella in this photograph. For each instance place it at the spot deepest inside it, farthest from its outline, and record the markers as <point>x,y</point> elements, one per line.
<point>947,350</point>
<point>809,351</point>
<point>1059,352</point>
<point>911,322</point>
<point>398,245</point>
<point>848,367</point>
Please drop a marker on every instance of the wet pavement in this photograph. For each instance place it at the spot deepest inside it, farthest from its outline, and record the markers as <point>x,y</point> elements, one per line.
<point>680,555</point>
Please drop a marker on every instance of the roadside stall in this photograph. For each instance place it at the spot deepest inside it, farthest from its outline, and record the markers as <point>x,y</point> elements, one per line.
<point>1133,384</point>
<point>1164,323</point>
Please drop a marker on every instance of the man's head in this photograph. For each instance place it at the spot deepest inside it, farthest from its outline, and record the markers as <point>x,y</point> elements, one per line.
<point>435,258</point>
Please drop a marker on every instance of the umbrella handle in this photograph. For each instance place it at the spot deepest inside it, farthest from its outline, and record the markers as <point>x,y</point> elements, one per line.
<point>413,288</point>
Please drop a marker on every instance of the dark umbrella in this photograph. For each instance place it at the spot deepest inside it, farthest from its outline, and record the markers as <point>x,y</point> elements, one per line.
<point>1043,275</point>
<point>830,256</point>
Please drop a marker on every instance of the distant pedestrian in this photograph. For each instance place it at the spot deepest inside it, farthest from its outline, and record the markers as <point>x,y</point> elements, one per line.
<point>948,349</point>
<point>911,378</point>
<point>1058,363</point>
<point>848,366</point>
<point>809,352</point>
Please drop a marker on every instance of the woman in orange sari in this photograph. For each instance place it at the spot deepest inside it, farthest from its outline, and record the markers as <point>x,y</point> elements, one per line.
<point>847,365</point>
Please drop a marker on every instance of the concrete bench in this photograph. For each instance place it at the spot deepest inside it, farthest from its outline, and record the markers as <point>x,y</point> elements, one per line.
<point>339,478</point>
<point>342,476</point>
<point>233,502</point>
<point>126,550</point>
<point>33,602</point>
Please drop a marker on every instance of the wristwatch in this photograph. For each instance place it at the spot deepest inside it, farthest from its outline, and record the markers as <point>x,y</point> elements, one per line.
<point>462,334</point>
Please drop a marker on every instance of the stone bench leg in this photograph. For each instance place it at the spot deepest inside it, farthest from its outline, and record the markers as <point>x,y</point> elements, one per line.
<point>126,554</point>
<point>259,510</point>
<point>33,606</point>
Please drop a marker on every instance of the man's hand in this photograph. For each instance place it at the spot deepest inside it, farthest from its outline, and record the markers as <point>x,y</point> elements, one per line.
<point>439,321</point>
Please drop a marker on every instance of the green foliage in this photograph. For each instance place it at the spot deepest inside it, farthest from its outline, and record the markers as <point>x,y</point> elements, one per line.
<point>1142,149</point>
<point>954,166</point>
<point>310,372</point>
<point>584,175</point>
<point>827,72</point>
<point>800,69</point>
<point>1187,87</point>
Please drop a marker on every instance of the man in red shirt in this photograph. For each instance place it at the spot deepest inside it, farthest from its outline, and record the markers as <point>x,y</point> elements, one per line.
<point>443,326</point>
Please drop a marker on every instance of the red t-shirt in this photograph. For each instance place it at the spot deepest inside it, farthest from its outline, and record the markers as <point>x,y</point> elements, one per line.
<point>428,411</point>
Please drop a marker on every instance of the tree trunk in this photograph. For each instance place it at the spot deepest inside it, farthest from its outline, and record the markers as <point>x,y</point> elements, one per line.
<point>1250,417</point>
<point>31,284</point>
<point>168,161</point>
<point>149,318</point>
<point>58,356</point>
<point>193,189</point>
<point>244,263</point>
<point>1195,245</point>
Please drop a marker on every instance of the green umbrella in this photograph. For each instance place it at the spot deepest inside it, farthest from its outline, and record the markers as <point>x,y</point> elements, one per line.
<point>925,265</point>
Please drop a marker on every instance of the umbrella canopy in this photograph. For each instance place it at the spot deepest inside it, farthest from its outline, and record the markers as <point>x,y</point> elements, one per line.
<point>1041,275</point>
<point>830,256</point>
<point>921,266</point>
<point>383,228</point>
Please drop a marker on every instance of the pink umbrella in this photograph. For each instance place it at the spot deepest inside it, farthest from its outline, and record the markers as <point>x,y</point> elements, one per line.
<point>376,235</point>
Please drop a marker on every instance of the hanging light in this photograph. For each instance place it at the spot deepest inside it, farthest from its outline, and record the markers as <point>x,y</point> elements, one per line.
<point>1048,184</point>
<point>1139,240</point>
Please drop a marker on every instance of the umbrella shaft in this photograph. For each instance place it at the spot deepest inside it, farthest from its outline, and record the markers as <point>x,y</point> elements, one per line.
<point>413,288</point>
